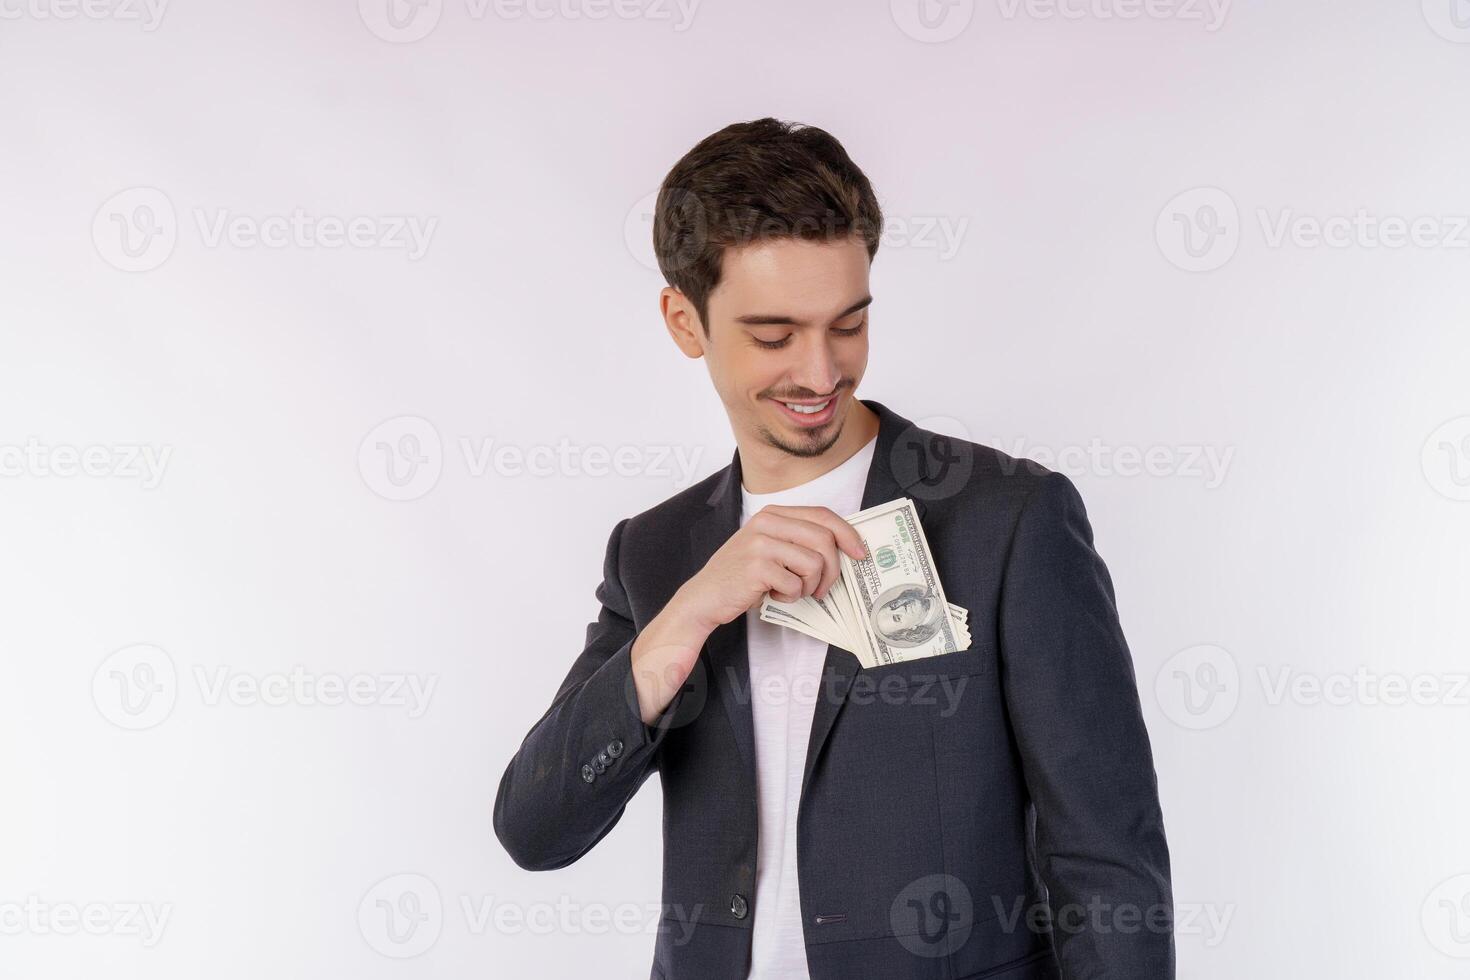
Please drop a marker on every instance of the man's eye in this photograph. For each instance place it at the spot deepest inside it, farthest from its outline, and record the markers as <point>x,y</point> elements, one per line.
<point>778,344</point>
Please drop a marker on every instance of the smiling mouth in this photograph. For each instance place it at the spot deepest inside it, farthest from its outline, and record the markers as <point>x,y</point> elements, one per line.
<point>809,412</point>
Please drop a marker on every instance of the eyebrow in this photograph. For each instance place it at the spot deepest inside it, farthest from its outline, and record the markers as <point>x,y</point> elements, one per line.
<point>758,319</point>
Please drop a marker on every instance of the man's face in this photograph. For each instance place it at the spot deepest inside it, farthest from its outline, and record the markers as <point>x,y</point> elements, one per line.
<point>788,322</point>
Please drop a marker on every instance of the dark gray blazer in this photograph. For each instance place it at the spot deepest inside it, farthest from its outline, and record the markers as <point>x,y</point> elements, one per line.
<point>987,813</point>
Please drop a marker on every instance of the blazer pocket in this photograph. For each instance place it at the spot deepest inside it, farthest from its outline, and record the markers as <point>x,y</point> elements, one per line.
<point>998,972</point>
<point>978,659</point>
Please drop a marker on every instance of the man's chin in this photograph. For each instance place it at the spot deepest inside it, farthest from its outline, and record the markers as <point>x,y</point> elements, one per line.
<point>804,441</point>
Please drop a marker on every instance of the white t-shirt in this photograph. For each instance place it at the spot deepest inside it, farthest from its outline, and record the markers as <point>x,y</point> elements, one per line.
<point>785,674</point>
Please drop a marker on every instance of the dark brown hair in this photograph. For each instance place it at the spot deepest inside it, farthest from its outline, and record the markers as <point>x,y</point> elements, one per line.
<point>752,181</point>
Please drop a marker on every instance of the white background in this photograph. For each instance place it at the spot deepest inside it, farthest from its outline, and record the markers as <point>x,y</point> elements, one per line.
<point>1062,318</point>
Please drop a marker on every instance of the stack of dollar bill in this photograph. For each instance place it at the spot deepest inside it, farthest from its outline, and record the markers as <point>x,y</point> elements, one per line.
<point>889,606</point>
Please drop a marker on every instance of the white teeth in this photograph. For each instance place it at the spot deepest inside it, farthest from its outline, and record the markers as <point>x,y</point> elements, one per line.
<point>806,409</point>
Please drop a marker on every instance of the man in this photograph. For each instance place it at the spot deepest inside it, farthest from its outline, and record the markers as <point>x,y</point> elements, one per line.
<point>988,812</point>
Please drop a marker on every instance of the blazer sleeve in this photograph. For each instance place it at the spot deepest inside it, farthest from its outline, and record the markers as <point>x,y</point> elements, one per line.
<point>1073,701</point>
<point>581,763</point>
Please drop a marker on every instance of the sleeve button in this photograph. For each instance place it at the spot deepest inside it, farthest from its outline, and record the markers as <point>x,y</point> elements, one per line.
<point>738,906</point>
<point>615,747</point>
<point>587,774</point>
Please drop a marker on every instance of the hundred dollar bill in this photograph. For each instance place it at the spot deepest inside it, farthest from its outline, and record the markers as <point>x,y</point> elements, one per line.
<point>887,607</point>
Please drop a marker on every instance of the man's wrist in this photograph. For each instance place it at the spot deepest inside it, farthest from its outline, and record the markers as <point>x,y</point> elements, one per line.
<point>682,622</point>
<point>664,653</point>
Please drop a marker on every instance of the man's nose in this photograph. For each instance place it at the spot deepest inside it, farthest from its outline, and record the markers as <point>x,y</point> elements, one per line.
<point>818,371</point>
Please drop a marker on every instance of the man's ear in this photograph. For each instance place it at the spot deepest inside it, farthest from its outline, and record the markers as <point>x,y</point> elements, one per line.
<point>682,321</point>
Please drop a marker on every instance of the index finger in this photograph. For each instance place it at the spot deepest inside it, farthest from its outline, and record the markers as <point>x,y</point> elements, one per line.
<point>846,535</point>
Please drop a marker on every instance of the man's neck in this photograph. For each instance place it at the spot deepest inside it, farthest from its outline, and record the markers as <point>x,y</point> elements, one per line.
<point>766,469</point>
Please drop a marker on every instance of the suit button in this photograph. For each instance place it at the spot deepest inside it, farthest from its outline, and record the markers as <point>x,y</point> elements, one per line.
<point>604,757</point>
<point>615,747</point>
<point>588,774</point>
<point>598,766</point>
<point>738,906</point>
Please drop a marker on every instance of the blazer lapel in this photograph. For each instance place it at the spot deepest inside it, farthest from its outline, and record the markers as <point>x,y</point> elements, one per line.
<point>841,665</point>
<point>726,647</point>
<point>729,663</point>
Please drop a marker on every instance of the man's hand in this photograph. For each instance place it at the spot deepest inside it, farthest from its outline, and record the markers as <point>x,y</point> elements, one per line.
<point>789,552</point>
